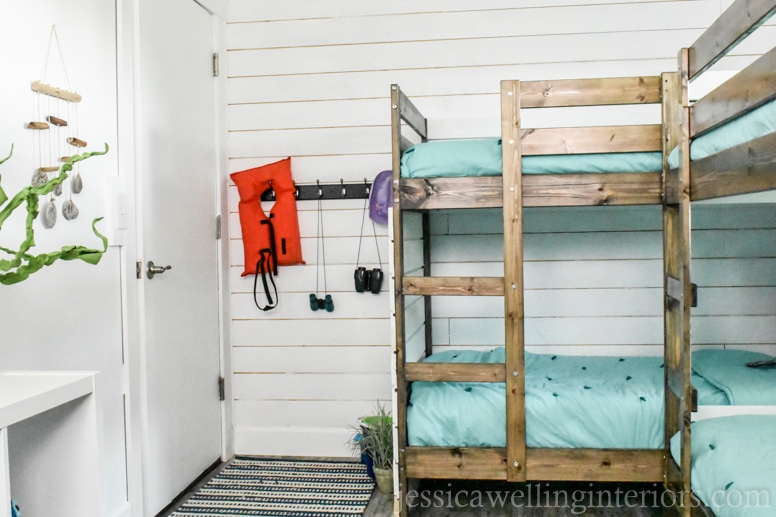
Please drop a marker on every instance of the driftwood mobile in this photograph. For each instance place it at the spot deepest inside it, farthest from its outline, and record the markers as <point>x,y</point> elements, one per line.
<point>620,165</point>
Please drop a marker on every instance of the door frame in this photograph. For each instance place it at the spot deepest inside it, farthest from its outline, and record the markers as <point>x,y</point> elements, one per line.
<point>127,42</point>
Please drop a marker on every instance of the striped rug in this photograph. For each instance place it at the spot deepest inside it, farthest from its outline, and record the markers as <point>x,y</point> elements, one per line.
<point>282,488</point>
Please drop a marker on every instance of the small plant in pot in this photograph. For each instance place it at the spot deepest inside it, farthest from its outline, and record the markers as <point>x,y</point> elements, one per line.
<point>374,438</point>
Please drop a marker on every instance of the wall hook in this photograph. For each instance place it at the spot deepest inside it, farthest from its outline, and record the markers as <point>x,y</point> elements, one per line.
<point>296,189</point>
<point>344,190</point>
<point>320,191</point>
<point>272,190</point>
<point>366,187</point>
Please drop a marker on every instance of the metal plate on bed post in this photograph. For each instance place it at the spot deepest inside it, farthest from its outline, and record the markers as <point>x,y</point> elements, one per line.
<point>674,288</point>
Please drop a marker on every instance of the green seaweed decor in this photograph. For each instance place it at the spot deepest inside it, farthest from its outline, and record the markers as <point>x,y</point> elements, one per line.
<point>22,263</point>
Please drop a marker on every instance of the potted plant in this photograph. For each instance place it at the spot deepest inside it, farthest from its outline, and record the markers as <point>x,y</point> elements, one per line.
<point>374,438</point>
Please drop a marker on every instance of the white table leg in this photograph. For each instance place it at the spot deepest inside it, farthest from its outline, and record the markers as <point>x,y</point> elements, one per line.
<point>5,475</point>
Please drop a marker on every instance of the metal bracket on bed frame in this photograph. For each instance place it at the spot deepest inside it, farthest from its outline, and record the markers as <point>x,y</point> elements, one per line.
<point>675,292</point>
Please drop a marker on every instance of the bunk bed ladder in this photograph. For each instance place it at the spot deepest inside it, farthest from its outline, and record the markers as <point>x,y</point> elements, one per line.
<point>679,394</point>
<point>514,337</point>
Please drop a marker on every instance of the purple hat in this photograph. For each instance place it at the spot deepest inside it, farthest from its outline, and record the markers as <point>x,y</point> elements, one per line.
<point>380,197</point>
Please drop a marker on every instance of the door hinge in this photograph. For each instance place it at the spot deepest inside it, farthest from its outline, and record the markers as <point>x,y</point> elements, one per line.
<point>139,269</point>
<point>215,64</point>
<point>218,227</point>
<point>221,393</point>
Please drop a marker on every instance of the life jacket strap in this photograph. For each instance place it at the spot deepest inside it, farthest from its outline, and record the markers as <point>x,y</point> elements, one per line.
<point>263,266</point>
<point>272,246</point>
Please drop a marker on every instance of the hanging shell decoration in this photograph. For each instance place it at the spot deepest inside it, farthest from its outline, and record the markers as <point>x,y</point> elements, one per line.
<point>49,214</point>
<point>23,262</point>
<point>40,178</point>
<point>76,184</point>
<point>58,190</point>
<point>69,210</point>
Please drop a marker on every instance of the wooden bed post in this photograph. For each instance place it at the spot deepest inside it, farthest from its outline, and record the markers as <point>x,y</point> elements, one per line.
<point>514,340</point>
<point>402,109</point>
<point>679,393</point>
<point>400,418</point>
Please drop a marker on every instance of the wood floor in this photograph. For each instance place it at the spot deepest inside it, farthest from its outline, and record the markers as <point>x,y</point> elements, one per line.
<point>437,498</point>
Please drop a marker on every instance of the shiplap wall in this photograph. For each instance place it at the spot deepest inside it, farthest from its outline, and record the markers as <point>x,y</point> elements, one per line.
<point>593,278</point>
<point>310,79</point>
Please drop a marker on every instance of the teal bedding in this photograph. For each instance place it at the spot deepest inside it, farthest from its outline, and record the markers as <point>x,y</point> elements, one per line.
<point>734,464</point>
<point>754,124</point>
<point>571,401</point>
<point>482,157</point>
<point>727,370</point>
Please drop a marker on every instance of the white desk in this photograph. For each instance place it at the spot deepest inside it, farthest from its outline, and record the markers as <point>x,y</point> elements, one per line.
<point>24,395</point>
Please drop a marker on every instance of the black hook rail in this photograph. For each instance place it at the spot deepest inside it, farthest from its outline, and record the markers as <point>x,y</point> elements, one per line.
<point>326,191</point>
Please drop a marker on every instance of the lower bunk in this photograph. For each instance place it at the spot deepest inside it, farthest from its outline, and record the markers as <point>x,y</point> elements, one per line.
<point>733,465</point>
<point>592,418</point>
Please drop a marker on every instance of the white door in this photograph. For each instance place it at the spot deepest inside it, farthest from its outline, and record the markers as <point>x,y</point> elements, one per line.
<point>177,204</point>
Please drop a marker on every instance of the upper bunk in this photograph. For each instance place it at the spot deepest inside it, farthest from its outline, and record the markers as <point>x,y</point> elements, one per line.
<point>556,166</point>
<point>726,140</point>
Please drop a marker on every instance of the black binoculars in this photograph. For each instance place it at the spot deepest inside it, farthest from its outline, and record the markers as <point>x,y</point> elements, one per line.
<point>321,303</point>
<point>367,280</point>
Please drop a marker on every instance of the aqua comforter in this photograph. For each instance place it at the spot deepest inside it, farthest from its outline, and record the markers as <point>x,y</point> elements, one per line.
<point>734,464</point>
<point>571,401</point>
<point>482,157</point>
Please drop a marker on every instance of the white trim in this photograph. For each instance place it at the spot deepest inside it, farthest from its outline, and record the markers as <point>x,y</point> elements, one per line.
<point>124,510</point>
<point>126,49</point>
<point>5,475</point>
<point>129,102</point>
<point>222,207</point>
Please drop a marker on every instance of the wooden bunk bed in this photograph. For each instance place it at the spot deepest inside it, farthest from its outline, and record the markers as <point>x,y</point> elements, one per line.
<point>512,191</point>
<point>746,167</point>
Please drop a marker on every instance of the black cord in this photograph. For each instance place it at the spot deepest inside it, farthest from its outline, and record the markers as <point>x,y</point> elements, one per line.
<point>320,251</point>
<point>377,246</point>
<point>361,233</point>
<point>317,243</point>
<point>323,248</point>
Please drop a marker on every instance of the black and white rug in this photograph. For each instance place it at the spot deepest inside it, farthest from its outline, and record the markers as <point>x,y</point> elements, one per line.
<point>282,488</point>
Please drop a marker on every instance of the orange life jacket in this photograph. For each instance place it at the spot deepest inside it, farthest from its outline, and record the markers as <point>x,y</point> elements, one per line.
<point>269,240</point>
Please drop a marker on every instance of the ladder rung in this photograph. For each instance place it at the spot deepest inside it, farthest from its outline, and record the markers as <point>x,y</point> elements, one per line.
<point>455,372</point>
<point>453,286</point>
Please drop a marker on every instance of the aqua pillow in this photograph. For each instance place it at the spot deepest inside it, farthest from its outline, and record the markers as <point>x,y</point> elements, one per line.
<point>453,158</point>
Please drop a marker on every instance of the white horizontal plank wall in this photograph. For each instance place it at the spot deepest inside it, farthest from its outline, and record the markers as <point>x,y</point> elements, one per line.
<point>593,279</point>
<point>310,79</point>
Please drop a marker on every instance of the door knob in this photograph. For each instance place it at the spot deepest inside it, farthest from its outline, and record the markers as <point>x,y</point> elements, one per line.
<point>152,270</point>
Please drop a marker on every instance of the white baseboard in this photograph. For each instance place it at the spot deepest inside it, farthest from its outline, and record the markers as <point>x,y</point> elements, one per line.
<point>292,441</point>
<point>124,510</point>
